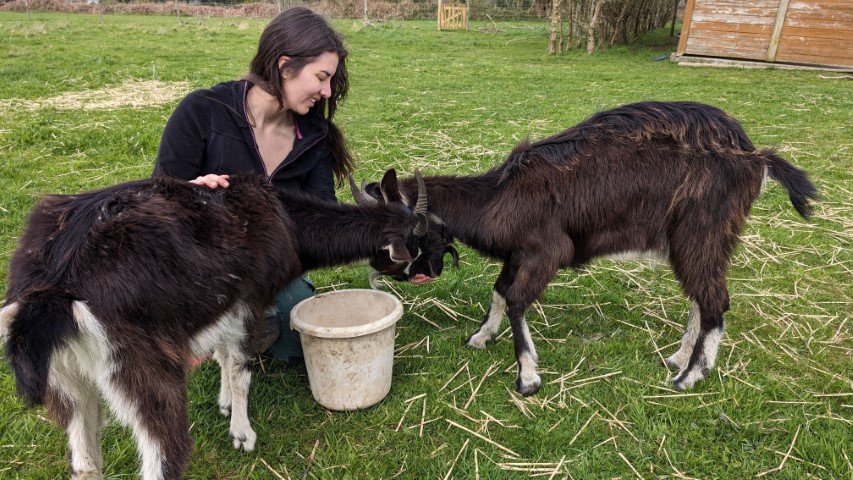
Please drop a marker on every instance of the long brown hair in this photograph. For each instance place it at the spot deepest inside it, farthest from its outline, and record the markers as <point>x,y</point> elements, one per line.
<point>303,35</point>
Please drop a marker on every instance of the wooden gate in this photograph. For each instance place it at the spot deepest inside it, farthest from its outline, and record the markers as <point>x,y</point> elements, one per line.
<point>452,16</point>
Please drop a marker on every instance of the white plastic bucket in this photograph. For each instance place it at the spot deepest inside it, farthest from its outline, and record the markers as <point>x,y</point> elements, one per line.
<point>348,341</point>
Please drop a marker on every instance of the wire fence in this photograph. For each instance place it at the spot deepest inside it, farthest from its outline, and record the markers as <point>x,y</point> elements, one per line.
<point>374,10</point>
<point>590,24</point>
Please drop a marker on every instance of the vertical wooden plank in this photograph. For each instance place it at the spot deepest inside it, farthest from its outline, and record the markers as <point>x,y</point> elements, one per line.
<point>467,9</point>
<point>685,27</point>
<point>777,30</point>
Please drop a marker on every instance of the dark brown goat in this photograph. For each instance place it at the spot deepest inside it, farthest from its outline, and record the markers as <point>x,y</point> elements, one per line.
<point>674,180</point>
<point>110,292</point>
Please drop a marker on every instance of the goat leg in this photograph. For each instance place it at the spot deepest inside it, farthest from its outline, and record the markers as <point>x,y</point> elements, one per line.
<point>234,395</point>
<point>488,330</point>
<point>705,347</point>
<point>528,276</point>
<point>678,360</point>
<point>527,381</point>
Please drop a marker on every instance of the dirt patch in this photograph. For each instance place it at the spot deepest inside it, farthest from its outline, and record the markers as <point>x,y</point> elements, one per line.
<point>132,93</point>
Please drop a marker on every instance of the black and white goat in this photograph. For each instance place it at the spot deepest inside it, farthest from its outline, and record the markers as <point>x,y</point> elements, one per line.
<point>110,292</point>
<point>674,180</point>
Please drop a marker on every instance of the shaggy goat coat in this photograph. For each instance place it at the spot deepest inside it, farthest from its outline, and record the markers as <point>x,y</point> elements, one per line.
<point>672,180</point>
<point>111,291</point>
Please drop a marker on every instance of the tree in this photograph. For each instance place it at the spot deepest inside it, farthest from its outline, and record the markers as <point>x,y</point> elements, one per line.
<point>598,23</point>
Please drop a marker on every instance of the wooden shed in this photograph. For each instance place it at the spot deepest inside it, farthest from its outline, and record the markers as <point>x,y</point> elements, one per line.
<point>817,33</point>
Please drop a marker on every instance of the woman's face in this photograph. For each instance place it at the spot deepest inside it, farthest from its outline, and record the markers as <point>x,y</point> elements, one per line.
<point>312,83</point>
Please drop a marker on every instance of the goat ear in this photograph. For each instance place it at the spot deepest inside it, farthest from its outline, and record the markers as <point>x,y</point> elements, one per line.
<point>373,190</point>
<point>390,189</point>
<point>398,251</point>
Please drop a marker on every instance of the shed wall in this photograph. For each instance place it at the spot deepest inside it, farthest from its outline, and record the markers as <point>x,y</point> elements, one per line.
<point>818,32</point>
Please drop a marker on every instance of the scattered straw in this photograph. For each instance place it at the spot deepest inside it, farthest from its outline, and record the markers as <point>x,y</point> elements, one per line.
<point>679,395</point>
<point>572,441</point>
<point>456,459</point>
<point>483,438</point>
<point>408,403</point>
<point>631,466</point>
<point>277,475</point>
<point>557,468</point>
<point>489,371</point>
<point>785,458</point>
<point>131,93</point>
<point>311,459</point>
<point>423,419</point>
<point>615,420</point>
<point>678,473</point>
<point>513,396</point>
<point>463,367</point>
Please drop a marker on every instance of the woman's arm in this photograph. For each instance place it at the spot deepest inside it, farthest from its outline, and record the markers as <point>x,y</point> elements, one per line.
<point>184,141</point>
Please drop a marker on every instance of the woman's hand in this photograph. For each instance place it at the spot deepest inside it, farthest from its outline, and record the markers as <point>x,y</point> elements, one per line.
<point>212,181</point>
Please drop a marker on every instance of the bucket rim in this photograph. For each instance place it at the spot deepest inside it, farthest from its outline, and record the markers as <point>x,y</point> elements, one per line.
<point>306,328</point>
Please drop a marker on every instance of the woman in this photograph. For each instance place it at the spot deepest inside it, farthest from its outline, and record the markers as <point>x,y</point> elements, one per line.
<point>276,121</point>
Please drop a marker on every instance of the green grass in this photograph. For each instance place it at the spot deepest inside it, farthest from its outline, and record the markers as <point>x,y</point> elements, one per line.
<point>779,401</point>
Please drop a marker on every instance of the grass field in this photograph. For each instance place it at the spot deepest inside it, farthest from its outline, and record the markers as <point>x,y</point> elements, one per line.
<point>83,102</point>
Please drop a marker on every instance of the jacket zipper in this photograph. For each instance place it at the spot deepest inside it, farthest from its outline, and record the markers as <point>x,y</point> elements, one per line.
<point>284,164</point>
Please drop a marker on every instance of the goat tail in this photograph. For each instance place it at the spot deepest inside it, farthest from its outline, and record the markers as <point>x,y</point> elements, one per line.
<point>33,329</point>
<point>796,182</point>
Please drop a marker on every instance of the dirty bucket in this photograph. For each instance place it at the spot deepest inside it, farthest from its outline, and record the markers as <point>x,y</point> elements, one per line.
<point>348,342</point>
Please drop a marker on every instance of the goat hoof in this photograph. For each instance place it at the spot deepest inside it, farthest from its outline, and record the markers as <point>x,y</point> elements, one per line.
<point>686,379</point>
<point>86,476</point>
<point>675,363</point>
<point>244,441</point>
<point>527,390</point>
<point>476,342</point>
<point>672,364</point>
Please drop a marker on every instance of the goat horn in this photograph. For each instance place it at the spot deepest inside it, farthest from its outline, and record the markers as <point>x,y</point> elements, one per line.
<point>360,197</point>
<point>374,276</point>
<point>421,228</point>
<point>421,204</point>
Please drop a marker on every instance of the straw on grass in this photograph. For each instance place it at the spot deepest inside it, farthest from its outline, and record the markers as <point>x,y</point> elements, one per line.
<point>277,475</point>
<point>785,458</point>
<point>482,437</point>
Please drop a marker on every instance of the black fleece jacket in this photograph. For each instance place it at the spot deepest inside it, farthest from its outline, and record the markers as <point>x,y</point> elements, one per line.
<point>209,133</point>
